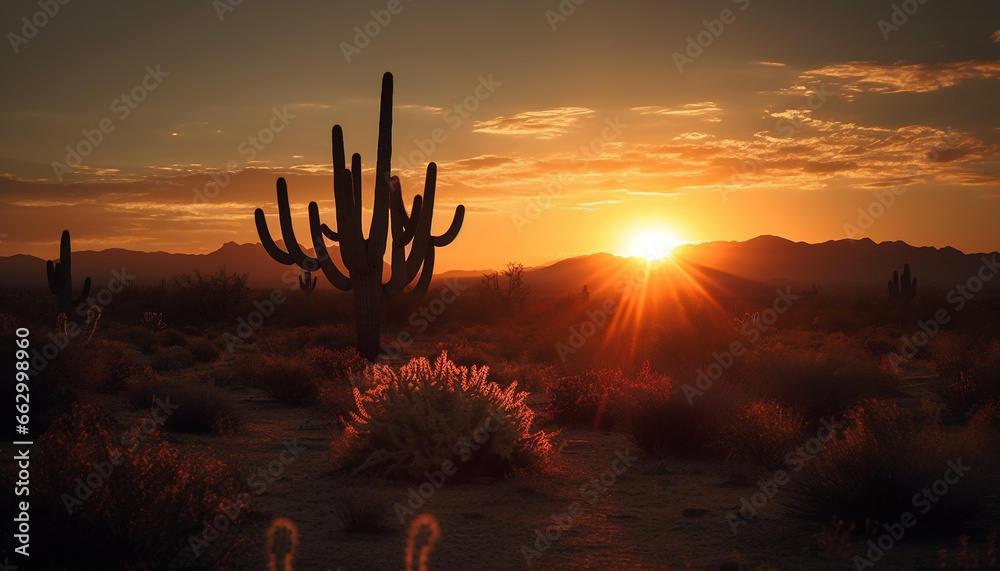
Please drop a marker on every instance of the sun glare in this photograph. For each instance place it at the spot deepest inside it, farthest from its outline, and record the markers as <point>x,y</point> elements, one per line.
<point>653,244</point>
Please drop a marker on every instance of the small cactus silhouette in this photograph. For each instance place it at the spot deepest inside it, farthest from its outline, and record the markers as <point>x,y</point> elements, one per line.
<point>903,290</point>
<point>424,520</point>
<point>307,282</point>
<point>61,278</point>
<point>586,294</point>
<point>282,539</point>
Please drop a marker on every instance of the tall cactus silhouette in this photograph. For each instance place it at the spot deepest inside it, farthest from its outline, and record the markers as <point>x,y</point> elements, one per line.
<point>61,278</point>
<point>307,282</point>
<point>903,291</point>
<point>363,257</point>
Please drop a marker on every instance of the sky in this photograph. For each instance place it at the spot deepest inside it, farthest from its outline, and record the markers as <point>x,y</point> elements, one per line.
<point>564,127</point>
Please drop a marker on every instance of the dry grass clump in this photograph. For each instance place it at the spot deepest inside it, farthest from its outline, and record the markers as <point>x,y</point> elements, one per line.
<point>763,433</point>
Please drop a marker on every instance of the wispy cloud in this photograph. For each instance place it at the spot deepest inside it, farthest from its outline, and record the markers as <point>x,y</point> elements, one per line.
<point>543,124</point>
<point>707,110</point>
<point>870,77</point>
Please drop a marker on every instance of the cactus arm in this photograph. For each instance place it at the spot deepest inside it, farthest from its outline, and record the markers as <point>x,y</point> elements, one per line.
<point>452,233</point>
<point>379,232</point>
<point>333,236</point>
<point>279,255</point>
<point>426,273</point>
<point>330,270</point>
<point>348,221</point>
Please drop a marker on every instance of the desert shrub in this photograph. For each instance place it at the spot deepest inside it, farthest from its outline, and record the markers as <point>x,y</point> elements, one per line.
<point>338,372</point>
<point>202,408</point>
<point>364,512</point>
<point>872,473</point>
<point>977,383</point>
<point>209,298</point>
<point>821,378</point>
<point>110,366</point>
<point>418,418</point>
<point>762,433</point>
<point>468,352</point>
<point>172,359</point>
<point>583,400</point>
<point>527,375</point>
<point>203,350</point>
<point>288,380</point>
<point>137,516</point>
<point>171,338</point>
<point>144,339</point>
<point>662,419</point>
<point>331,336</point>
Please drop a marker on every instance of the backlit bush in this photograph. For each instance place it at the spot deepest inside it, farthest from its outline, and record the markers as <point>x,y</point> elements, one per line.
<point>288,380</point>
<point>419,417</point>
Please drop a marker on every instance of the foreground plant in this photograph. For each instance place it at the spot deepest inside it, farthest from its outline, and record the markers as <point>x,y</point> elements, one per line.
<point>363,257</point>
<point>424,418</point>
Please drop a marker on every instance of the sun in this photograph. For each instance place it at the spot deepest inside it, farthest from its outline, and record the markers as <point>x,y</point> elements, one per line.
<point>653,244</point>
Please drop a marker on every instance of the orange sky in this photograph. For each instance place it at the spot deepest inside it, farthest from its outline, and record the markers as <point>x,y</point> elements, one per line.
<point>558,141</point>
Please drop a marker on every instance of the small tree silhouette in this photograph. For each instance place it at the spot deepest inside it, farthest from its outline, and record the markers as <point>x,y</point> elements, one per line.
<point>509,290</point>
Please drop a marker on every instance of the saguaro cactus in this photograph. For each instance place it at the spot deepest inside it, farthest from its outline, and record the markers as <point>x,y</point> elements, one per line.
<point>307,283</point>
<point>363,257</point>
<point>61,278</point>
<point>903,291</point>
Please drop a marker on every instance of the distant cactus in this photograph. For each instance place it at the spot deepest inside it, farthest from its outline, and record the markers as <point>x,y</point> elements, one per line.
<point>307,283</point>
<point>61,278</point>
<point>363,257</point>
<point>153,321</point>
<point>904,290</point>
<point>586,294</point>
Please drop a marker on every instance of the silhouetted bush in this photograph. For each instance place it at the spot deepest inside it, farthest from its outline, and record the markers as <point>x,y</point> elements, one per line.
<point>819,378</point>
<point>364,512</point>
<point>203,350</point>
<point>288,380</point>
<point>420,417</point>
<point>109,366</point>
<point>663,421</point>
<point>879,466</point>
<point>134,515</point>
<point>172,359</point>
<point>584,399</point>
<point>977,383</point>
<point>762,433</point>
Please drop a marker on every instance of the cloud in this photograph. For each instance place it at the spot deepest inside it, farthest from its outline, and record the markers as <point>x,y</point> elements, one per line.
<point>543,124</point>
<point>870,77</point>
<point>708,110</point>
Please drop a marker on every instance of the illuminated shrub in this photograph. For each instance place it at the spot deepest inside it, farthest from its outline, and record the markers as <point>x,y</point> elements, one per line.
<point>416,419</point>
